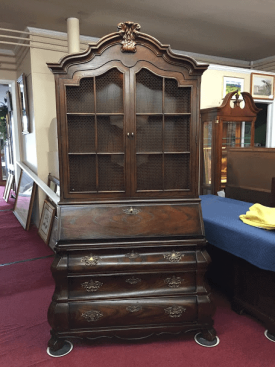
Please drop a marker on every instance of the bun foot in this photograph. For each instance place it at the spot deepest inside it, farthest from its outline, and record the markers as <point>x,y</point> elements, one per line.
<point>207,338</point>
<point>58,347</point>
<point>269,336</point>
<point>237,308</point>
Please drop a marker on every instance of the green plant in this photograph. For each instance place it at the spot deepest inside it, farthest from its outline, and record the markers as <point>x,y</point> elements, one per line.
<point>3,123</point>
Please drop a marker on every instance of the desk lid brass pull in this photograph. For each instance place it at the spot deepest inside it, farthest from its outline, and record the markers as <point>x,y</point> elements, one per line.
<point>131,211</point>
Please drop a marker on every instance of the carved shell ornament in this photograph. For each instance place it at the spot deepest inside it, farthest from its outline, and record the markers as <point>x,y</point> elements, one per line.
<point>128,31</point>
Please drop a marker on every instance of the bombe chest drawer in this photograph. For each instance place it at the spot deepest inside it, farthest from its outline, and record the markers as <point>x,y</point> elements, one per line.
<point>110,291</point>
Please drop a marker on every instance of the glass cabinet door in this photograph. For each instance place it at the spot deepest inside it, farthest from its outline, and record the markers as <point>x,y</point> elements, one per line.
<point>134,154</point>
<point>162,122</point>
<point>234,134</point>
<point>207,156</point>
<point>95,125</point>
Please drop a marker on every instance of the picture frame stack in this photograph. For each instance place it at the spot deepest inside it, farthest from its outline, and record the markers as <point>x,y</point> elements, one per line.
<point>48,221</point>
<point>24,199</point>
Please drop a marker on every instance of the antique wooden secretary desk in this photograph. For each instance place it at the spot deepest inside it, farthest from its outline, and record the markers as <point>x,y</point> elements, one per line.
<point>130,258</point>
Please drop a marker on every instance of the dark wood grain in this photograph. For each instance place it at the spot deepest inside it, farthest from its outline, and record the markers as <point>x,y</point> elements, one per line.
<point>131,285</point>
<point>147,311</point>
<point>251,185</point>
<point>117,221</point>
<point>130,259</point>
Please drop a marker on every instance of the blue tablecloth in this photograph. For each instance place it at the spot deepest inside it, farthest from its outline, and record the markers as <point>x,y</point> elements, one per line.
<point>225,230</point>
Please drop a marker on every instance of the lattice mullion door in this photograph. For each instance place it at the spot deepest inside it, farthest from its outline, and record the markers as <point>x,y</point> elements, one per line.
<point>162,125</point>
<point>96,134</point>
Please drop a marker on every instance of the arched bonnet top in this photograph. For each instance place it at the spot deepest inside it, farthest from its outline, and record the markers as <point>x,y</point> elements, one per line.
<point>249,110</point>
<point>128,40</point>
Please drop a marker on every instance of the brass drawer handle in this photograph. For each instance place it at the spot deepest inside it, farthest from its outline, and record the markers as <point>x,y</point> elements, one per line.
<point>173,282</point>
<point>92,315</point>
<point>174,311</point>
<point>131,211</point>
<point>132,255</point>
<point>134,308</point>
<point>90,260</point>
<point>133,280</point>
<point>92,286</point>
<point>173,256</point>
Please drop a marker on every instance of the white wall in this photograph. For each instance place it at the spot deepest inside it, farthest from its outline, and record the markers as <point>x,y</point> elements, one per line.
<point>212,92</point>
<point>212,84</point>
<point>44,107</point>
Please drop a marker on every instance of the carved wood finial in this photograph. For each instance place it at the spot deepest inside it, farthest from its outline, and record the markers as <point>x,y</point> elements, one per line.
<point>237,101</point>
<point>128,30</point>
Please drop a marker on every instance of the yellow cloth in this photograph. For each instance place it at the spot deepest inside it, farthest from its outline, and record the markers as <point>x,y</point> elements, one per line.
<point>260,216</point>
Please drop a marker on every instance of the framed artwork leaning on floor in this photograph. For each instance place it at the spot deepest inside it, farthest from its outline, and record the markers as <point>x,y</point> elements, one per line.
<point>46,221</point>
<point>24,199</point>
<point>8,187</point>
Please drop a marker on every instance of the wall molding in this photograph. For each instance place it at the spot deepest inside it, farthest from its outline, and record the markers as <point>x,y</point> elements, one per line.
<point>28,38</point>
<point>238,70</point>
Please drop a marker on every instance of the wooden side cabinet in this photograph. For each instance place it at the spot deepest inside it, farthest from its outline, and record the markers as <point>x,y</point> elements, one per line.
<point>130,258</point>
<point>229,125</point>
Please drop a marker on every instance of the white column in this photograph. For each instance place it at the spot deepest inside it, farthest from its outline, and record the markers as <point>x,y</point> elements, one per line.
<point>73,35</point>
<point>270,126</point>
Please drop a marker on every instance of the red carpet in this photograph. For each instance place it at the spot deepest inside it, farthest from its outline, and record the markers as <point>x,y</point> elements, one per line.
<point>26,291</point>
<point>3,204</point>
<point>18,244</point>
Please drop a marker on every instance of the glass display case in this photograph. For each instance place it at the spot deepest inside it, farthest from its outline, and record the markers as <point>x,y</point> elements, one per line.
<point>230,125</point>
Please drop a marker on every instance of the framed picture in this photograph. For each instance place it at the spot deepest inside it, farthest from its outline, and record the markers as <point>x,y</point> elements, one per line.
<point>9,101</point>
<point>24,199</point>
<point>23,103</point>
<point>231,84</point>
<point>46,221</point>
<point>8,187</point>
<point>262,86</point>
<point>54,184</point>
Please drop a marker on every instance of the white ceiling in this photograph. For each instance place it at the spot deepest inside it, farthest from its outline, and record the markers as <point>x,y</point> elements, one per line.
<point>238,29</point>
